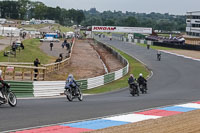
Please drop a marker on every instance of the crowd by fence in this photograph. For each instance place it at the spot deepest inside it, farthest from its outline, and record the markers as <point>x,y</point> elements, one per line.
<point>25,71</point>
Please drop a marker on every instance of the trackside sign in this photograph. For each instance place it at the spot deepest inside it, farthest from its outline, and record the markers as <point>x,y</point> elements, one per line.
<point>122,29</point>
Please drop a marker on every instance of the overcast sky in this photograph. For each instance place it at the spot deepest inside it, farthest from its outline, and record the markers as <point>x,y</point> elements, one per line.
<point>162,6</point>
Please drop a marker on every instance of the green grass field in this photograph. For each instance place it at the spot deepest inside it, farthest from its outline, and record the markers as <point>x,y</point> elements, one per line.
<point>54,27</point>
<point>62,28</point>
<point>35,26</point>
<point>1,37</point>
<point>135,67</point>
<point>29,54</point>
<point>167,35</point>
<point>155,47</point>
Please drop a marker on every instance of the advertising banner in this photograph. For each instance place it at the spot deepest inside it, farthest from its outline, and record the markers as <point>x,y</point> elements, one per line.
<point>140,30</point>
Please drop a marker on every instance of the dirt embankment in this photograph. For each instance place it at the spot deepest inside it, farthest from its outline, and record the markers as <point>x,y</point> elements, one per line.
<point>182,123</point>
<point>111,62</point>
<point>85,62</point>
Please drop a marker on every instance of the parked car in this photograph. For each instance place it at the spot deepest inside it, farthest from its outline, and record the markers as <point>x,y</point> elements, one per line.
<point>49,39</point>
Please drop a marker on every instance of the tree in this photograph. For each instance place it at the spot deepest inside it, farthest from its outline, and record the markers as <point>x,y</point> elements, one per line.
<point>9,9</point>
<point>24,6</point>
<point>79,17</point>
<point>131,22</point>
<point>40,10</point>
<point>109,22</point>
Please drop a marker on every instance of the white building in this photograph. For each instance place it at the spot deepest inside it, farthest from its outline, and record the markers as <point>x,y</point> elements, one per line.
<point>8,31</point>
<point>193,23</point>
<point>2,20</point>
<point>36,21</point>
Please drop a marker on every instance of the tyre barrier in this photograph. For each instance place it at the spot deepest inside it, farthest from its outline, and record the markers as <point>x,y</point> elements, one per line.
<point>133,40</point>
<point>56,88</point>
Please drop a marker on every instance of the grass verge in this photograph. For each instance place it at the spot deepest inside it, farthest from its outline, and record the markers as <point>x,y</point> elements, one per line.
<point>135,67</point>
<point>32,50</point>
<point>155,47</point>
<point>62,28</point>
<point>35,26</point>
<point>54,27</point>
<point>1,37</point>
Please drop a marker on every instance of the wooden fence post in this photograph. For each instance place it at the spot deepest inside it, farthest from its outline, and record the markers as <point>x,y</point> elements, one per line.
<point>14,73</point>
<point>44,74</point>
<point>4,72</point>
<point>38,74</point>
<point>22,73</point>
<point>32,74</point>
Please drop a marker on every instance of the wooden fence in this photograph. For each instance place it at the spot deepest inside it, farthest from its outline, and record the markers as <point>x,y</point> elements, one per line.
<point>26,71</point>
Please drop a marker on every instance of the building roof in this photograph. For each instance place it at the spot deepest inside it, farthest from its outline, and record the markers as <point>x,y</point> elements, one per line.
<point>8,28</point>
<point>193,13</point>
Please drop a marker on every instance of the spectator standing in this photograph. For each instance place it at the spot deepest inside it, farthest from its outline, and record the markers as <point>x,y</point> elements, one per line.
<point>63,45</point>
<point>61,56</point>
<point>22,45</point>
<point>13,47</point>
<point>51,46</point>
<point>148,46</point>
<point>36,64</point>
<point>68,46</point>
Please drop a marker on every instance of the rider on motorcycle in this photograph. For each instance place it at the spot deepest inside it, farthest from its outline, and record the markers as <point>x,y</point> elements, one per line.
<point>158,55</point>
<point>131,81</point>
<point>71,83</point>
<point>2,84</point>
<point>142,81</point>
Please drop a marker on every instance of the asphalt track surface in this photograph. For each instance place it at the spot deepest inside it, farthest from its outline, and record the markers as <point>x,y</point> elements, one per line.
<point>175,81</point>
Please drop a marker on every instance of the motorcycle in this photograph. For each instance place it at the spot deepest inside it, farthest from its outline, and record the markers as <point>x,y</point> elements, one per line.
<point>143,88</point>
<point>72,93</point>
<point>158,57</point>
<point>134,89</point>
<point>8,96</point>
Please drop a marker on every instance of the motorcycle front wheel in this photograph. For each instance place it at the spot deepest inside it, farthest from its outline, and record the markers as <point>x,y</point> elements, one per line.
<point>68,95</point>
<point>12,99</point>
<point>80,97</point>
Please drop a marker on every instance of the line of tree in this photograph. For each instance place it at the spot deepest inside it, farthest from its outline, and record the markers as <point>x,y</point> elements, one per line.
<point>26,9</point>
<point>165,22</point>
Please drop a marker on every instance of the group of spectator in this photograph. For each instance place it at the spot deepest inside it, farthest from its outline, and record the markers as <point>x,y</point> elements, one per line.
<point>15,45</point>
<point>170,39</point>
<point>23,35</point>
<point>59,59</point>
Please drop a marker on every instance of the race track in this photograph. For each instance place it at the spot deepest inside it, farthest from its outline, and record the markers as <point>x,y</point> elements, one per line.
<point>175,80</point>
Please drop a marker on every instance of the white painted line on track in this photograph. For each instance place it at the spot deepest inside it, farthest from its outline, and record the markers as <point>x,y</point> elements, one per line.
<point>190,105</point>
<point>187,57</point>
<point>132,118</point>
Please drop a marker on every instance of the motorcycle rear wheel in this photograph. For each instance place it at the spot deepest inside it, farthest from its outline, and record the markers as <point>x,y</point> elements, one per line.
<point>138,93</point>
<point>12,100</point>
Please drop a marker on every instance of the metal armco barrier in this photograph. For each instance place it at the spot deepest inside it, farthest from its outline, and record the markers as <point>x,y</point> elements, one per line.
<point>22,89</point>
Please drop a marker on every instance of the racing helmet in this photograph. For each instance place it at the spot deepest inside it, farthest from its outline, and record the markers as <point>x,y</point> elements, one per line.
<point>70,76</point>
<point>140,75</point>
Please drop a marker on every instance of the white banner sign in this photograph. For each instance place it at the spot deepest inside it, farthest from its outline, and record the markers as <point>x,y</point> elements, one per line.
<point>122,29</point>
